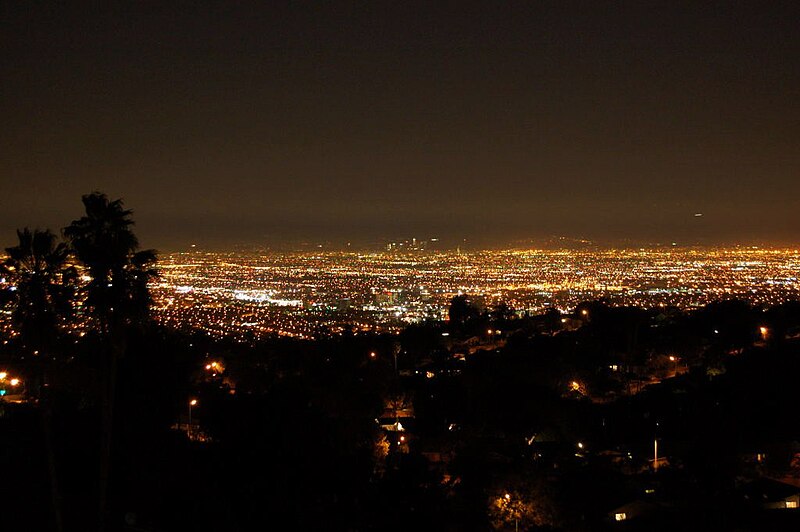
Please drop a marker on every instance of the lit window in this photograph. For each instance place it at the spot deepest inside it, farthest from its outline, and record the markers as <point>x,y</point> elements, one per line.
<point>791,504</point>
<point>621,516</point>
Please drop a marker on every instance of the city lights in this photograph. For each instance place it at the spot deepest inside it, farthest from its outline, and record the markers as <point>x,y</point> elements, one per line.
<point>299,294</point>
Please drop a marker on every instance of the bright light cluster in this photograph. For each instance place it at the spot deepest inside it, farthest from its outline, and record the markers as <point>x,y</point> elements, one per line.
<point>300,294</point>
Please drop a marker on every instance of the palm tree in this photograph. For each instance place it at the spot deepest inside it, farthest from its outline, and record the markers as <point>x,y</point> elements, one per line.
<point>105,243</point>
<point>37,267</point>
<point>117,294</point>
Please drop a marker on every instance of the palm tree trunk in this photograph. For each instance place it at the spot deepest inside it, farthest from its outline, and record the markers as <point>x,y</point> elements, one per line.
<point>55,496</point>
<point>107,430</point>
<point>47,431</point>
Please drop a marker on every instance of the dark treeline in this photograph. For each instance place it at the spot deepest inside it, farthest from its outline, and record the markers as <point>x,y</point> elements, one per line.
<point>489,420</point>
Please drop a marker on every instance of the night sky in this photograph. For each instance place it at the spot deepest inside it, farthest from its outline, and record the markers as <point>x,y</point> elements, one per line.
<point>269,122</point>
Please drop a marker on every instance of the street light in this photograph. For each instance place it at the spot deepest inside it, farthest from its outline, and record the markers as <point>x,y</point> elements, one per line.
<point>192,403</point>
<point>655,454</point>
<point>507,497</point>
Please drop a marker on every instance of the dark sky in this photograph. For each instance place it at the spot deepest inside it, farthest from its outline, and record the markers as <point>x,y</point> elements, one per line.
<point>265,122</point>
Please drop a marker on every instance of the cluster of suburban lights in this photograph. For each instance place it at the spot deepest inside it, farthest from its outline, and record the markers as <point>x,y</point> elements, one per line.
<point>215,367</point>
<point>6,380</point>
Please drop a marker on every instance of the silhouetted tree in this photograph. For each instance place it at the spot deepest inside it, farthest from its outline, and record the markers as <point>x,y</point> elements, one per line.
<point>502,313</point>
<point>462,310</point>
<point>525,505</point>
<point>37,266</point>
<point>103,240</point>
<point>729,323</point>
<point>105,243</point>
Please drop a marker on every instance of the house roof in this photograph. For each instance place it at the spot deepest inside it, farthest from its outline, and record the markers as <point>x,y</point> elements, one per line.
<point>768,490</point>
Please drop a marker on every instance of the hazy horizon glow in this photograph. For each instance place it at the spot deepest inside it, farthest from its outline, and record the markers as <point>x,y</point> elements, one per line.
<point>270,123</point>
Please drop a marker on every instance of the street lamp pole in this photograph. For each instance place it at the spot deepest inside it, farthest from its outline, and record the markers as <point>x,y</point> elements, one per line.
<point>507,498</point>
